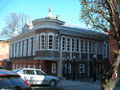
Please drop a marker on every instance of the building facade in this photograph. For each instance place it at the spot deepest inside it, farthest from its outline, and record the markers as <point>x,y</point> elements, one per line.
<point>60,49</point>
<point>4,51</point>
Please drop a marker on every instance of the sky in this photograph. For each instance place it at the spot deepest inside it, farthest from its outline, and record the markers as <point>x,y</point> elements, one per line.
<point>68,10</point>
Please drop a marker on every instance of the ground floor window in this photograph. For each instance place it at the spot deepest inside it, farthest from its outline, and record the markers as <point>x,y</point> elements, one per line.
<point>68,68</point>
<point>53,67</point>
<point>81,68</point>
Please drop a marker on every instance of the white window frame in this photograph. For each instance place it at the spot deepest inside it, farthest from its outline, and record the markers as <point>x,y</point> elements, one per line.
<point>81,68</point>
<point>42,41</point>
<point>63,43</point>
<point>68,44</point>
<point>82,45</point>
<point>52,39</point>
<point>77,45</point>
<point>73,44</point>
<point>56,42</point>
<point>85,46</point>
<point>54,68</point>
<point>90,47</point>
<point>69,68</point>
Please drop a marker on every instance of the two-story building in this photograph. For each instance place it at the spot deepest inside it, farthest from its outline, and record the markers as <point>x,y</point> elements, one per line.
<point>59,48</point>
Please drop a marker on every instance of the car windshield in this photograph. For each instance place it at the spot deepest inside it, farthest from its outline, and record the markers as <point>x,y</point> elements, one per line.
<point>11,81</point>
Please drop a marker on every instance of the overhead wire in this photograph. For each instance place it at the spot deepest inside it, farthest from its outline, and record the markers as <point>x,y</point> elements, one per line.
<point>4,5</point>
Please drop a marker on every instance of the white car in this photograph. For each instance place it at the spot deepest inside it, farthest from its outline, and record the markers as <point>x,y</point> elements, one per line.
<point>37,77</point>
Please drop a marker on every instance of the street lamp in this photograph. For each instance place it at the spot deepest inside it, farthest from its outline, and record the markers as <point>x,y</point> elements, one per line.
<point>74,68</point>
<point>67,64</point>
<point>94,71</point>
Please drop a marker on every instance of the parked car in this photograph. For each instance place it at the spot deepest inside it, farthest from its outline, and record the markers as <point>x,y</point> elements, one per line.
<point>2,67</point>
<point>37,76</point>
<point>12,81</point>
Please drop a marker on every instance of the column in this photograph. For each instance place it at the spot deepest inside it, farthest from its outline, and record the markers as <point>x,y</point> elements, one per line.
<point>59,68</point>
<point>37,42</point>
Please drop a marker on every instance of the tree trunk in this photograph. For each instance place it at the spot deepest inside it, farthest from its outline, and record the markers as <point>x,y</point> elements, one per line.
<point>108,82</point>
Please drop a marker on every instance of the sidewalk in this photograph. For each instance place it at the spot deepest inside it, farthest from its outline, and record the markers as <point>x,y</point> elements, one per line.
<point>81,85</point>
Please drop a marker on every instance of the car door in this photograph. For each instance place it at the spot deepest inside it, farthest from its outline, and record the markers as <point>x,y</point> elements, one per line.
<point>40,77</point>
<point>30,76</point>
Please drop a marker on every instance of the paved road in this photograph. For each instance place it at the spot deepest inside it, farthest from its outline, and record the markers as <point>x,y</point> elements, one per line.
<point>73,85</point>
<point>47,88</point>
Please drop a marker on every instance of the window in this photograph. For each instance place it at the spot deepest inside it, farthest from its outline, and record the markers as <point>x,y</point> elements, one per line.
<point>99,48</point>
<point>73,44</point>
<point>105,50</point>
<point>90,46</point>
<point>53,67</point>
<point>78,44</point>
<point>63,43</point>
<point>86,46</point>
<point>68,68</point>
<point>40,67</point>
<point>81,68</point>
<point>13,66</point>
<point>81,45</point>
<point>68,44</point>
<point>50,41</point>
<point>94,47</point>
<point>42,39</point>
<point>56,42</point>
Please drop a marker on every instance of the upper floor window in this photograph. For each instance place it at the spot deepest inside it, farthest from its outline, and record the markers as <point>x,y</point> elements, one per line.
<point>105,50</point>
<point>63,43</point>
<point>94,47</point>
<point>68,44</point>
<point>42,39</point>
<point>56,42</point>
<point>86,46</point>
<point>73,44</point>
<point>90,47</point>
<point>82,46</point>
<point>50,41</point>
<point>99,48</point>
<point>78,44</point>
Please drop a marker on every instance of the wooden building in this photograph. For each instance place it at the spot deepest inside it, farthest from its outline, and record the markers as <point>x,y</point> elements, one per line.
<point>60,49</point>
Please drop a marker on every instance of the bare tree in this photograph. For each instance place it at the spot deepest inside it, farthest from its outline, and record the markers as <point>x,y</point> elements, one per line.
<point>104,15</point>
<point>14,25</point>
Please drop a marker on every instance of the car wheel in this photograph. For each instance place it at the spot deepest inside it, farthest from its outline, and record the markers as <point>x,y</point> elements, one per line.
<point>52,83</point>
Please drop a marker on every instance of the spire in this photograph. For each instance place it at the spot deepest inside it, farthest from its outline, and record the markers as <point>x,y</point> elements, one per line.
<point>49,9</point>
<point>50,15</point>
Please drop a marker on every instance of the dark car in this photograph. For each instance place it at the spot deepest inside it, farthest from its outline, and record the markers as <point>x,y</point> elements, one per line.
<point>12,81</point>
